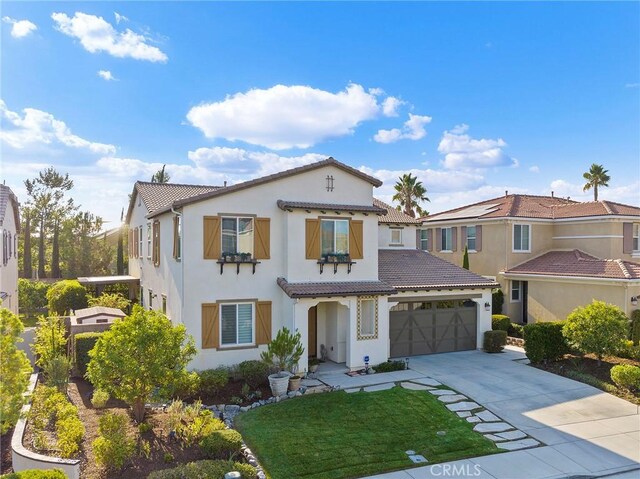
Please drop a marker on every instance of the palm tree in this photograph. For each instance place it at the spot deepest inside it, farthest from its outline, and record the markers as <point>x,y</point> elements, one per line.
<point>160,176</point>
<point>409,193</point>
<point>596,176</point>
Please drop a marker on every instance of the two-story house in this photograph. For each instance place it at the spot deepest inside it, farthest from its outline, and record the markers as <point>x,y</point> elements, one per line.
<point>550,254</point>
<point>10,225</point>
<point>308,249</point>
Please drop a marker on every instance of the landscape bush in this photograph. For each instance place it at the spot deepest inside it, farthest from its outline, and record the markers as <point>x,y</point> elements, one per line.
<point>212,381</point>
<point>515,330</point>
<point>57,372</point>
<point>110,300</point>
<point>598,328</point>
<point>32,296</point>
<point>494,341</point>
<point>83,343</point>
<point>113,447</point>
<point>634,332</point>
<point>205,468</point>
<point>497,300</point>
<point>629,350</point>
<point>626,376</point>
<point>36,474</point>
<point>223,444</point>
<point>544,341</point>
<point>390,366</point>
<point>500,322</point>
<point>66,296</point>
<point>50,341</point>
<point>191,422</point>
<point>99,398</point>
<point>254,373</point>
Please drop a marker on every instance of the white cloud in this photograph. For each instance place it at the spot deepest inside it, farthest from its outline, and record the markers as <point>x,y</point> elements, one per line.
<point>283,117</point>
<point>534,169</point>
<point>98,35</point>
<point>37,128</point>
<point>390,106</point>
<point>462,151</point>
<point>20,28</point>
<point>413,129</point>
<point>632,85</point>
<point>106,75</point>
<point>120,18</point>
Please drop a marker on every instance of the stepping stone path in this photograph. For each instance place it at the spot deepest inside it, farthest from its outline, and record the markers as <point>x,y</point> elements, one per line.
<point>473,419</point>
<point>353,390</point>
<point>511,435</point>
<point>415,387</point>
<point>516,445</point>
<point>463,414</point>
<point>426,382</point>
<point>492,427</point>
<point>463,406</point>
<point>450,398</point>
<point>442,392</point>
<point>379,387</point>
<point>487,416</point>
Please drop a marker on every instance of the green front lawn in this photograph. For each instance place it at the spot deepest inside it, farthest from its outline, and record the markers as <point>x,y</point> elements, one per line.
<point>342,435</point>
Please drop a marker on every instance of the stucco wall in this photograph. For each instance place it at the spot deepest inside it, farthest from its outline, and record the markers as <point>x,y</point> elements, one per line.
<point>408,236</point>
<point>9,273</point>
<point>601,238</point>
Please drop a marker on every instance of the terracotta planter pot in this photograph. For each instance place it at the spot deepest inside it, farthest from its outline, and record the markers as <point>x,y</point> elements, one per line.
<point>279,383</point>
<point>294,383</point>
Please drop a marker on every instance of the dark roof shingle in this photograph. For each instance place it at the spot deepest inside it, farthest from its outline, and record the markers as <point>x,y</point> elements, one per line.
<point>334,288</point>
<point>305,205</point>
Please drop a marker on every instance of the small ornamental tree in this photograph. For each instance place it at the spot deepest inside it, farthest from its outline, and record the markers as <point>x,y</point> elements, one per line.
<point>14,370</point>
<point>598,328</point>
<point>50,340</point>
<point>465,258</point>
<point>284,351</point>
<point>140,355</point>
<point>110,300</point>
<point>497,300</point>
<point>66,295</point>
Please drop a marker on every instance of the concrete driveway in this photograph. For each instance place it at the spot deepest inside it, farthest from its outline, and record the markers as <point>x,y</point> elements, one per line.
<point>586,432</point>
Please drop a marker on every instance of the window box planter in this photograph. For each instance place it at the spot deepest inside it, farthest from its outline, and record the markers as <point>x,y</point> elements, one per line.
<point>335,259</point>
<point>237,259</point>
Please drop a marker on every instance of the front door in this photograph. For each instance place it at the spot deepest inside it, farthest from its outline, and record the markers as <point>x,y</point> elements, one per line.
<point>313,332</point>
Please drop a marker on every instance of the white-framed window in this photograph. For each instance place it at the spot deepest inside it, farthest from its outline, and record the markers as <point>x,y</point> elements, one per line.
<point>237,234</point>
<point>140,253</point>
<point>142,296</point>
<point>424,240</point>
<point>516,291</point>
<point>471,238</point>
<point>236,324</point>
<point>164,304</point>
<point>150,299</point>
<point>446,239</point>
<point>636,237</point>
<point>367,318</point>
<point>396,236</point>
<point>149,248</point>
<point>522,238</point>
<point>9,245</point>
<point>334,236</point>
<point>178,238</point>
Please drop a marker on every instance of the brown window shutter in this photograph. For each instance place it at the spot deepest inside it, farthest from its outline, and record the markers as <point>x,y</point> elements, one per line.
<point>175,237</point>
<point>130,242</point>
<point>418,239</point>
<point>312,238</point>
<point>627,238</point>
<point>135,242</point>
<point>438,241</point>
<point>262,238</point>
<point>454,239</point>
<point>430,239</point>
<point>263,322</point>
<point>478,238</point>
<point>355,239</point>
<point>210,329</point>
<point>463,233</point>
<point>156,243</point>
<point>211,237</point>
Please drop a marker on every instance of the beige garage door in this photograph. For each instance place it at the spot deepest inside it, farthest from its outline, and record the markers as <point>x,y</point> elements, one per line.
<point>432,327</point>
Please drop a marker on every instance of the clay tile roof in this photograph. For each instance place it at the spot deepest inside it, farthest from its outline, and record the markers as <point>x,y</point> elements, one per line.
<point>577,263</point>
<point>160,195</point>
<point>413,269</point>
<point>392,215</point>
<point>305,205</point>
<point>6,196</point>
<point>98,310</point>
<point>531,206</point>
<point>334,288</point>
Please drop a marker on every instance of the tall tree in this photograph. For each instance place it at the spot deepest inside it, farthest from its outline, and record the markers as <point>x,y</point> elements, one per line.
<point>160,176</point>
<point>27,267</point>
<point>46,201</point>
<point>84,251</point>
<point>596,176</point>
<point>409,193</point>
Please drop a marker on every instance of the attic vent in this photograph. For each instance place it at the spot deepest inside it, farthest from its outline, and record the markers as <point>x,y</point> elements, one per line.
<point>329,182</point>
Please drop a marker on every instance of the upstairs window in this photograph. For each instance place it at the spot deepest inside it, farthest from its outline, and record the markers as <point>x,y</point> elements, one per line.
<point>396,236</point>
<point>177,237</point>
<point>149,250</point>
<point>236,324</point>
<point>334,236</point>
<point>140,253</point>
<point>522,238</point>
<point>471,238</point>
<point>237,235</point>
<point>636,237</point>
<point>446,239</point>
<point>150,299</point>
<point>424,240</point>
<point>156,243</point>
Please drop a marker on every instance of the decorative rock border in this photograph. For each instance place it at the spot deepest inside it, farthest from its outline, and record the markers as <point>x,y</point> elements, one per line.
<point>511,341</point>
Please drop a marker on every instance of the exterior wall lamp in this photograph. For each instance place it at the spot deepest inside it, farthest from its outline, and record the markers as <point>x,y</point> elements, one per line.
<point>487,306</point>
<point>634,301</point>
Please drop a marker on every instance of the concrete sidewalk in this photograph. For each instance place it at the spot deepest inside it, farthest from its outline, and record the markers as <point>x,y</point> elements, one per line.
<point>587,432</point>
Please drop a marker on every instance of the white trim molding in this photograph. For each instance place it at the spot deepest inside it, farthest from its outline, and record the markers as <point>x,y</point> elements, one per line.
<point>586,237</point>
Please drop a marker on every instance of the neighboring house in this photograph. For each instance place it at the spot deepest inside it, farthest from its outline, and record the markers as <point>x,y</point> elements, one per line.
<point>549,254</point>
<point>10,225</point>
<point>308,249</point>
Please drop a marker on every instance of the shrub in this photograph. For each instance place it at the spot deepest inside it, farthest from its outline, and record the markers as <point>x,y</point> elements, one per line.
<point>515,330</point>
<point>65,296</point>
<point>213,380</point>
<point>544,341</point>
<point>51,340</point>
<point>254,373</point>
<point>629,350</point>
<point>635,327</point>
<point>206,468</point>
<point>83,343</point>
<point>191,422</point>
<point>70,432</point>
<point>57,372</point>
<point>32,295</point>
<point>598,328</point>
<point>284,351</point>
<point>497,300</point>
<point>110,300</point>
<point>389,366</point>
<point>500,322</point>
<point>168,457</point>
<point>222,444</point>
<point>626,376</point>
<point>99,398</point>
<point>36,474</point>
<point>113,447</point>
<point>494,341</point>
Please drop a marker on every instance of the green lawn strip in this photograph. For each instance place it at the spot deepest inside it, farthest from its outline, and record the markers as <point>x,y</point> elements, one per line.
<point>342,435</point>
<point>29,321</point>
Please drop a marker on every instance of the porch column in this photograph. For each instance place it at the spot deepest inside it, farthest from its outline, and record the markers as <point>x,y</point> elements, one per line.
<point>484,316</point>
<point>301,325</point>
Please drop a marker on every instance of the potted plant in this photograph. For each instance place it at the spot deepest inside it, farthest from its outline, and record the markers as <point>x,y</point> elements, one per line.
<point>283,353</point>
<point>294,382</point>
<point>313,365</point>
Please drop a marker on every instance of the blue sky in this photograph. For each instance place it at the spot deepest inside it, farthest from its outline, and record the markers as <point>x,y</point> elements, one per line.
<point>473,98</point>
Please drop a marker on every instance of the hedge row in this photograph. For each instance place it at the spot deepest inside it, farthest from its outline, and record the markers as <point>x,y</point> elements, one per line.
<point>83,343</point>
<point>544,341</point>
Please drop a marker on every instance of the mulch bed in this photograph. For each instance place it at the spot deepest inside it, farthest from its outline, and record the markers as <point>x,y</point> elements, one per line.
<point>231,393</point>
<point>5,452</point>
<point>588,365</point>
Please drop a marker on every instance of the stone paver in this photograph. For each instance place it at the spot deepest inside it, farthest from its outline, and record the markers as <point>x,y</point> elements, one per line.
<point>487,416</point>
<point>492,427</point>
<point>427,381</point>
<point>463,414</point>
<point>463,406</point>
<point>512,435</point>
<point>474,419</point>
<point>414,387</point>
<point>352,390</point>
<point>442,392</point>
<point>517,445</point>
<point>494,438</point>
<point>379,387</point>
<point>448,399</point>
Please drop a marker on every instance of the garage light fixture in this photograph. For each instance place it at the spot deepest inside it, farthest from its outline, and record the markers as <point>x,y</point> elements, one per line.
<point>487,306</point>
<point>634,301</point>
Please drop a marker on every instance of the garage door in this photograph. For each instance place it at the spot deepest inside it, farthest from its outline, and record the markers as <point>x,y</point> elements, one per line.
<point>432,327</point>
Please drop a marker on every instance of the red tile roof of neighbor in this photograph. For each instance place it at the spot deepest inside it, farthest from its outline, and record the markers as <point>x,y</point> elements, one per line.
<point>393,215</point>
<point>578,263</point>
<point>334,288</point>
<point>530,206</point>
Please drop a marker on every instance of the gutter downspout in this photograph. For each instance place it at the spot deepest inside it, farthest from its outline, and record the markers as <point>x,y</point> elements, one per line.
<point>181,262</point>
